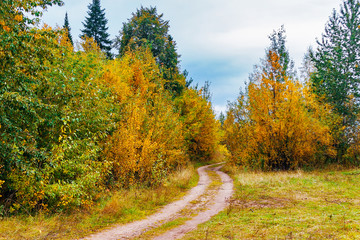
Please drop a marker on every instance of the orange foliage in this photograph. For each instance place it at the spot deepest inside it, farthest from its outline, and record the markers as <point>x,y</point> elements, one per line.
<point>201,129</point>
<point>148,142</point>
<point>88,44</point>
<point>280,125</point>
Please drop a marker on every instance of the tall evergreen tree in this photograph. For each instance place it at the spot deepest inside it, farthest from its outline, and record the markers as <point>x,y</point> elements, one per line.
<point>277,46</point>
<point>95,27</point>
<point>222,118</point>
<point>278,41</point>
<point>146,28</point>
<point>337,72</point>
<point>67,28</point>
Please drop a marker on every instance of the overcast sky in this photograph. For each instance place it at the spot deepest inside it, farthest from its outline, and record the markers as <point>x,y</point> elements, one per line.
<point>219,40</point>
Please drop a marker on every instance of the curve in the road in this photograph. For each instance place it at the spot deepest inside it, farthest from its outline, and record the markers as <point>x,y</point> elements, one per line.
<point>219,203</point>
<point>136,228</point>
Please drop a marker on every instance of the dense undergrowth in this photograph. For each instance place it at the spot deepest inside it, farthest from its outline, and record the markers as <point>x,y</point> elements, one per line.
<point>80,132</point>
<point>74,123</point>
<point>120,206</point>
<point>286,121</point>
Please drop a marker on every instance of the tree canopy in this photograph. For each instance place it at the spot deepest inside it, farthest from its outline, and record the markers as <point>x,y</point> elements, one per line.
<point>278,124</point>
<point>336,75</point>
<point>147,28</point>
<point>278,46</point>
<point>73,123</point>
<point>95,26</point>
<point>67,28</point>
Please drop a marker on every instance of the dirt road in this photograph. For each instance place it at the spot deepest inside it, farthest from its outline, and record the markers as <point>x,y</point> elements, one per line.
<point>214,202</point>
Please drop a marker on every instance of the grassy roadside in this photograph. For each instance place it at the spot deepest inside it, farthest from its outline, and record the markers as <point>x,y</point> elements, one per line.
<point>121,207</point>
<point>191,210</point>
<point>289,205</point>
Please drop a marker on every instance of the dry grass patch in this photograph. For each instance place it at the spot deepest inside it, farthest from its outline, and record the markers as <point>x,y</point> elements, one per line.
<point>121,206</point>
<point>289,205</point>
<point>262,202</point>
<point>191,210</point>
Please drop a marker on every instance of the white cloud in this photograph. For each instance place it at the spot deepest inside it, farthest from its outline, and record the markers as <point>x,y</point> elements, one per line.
<point>219,109</point>
<point>219,40</point>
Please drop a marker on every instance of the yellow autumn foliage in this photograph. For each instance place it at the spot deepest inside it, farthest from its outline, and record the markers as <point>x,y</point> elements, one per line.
<point>201,129</point>
<point>279,124</point>
<point>18,18</point>
<point>73,122</point>
<point>62,116</point>
<point>148,141</point>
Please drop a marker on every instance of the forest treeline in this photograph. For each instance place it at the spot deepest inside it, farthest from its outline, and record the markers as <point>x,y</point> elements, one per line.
<point>282,121</point>
<point>76,120</point>
<point>75,123</point>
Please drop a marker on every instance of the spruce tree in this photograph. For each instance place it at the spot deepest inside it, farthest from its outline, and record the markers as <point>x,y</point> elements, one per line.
<point>337,72</point>
<point>222,119</point>
<point>147,28</point>
<point>67,28</point>
<point>278,46</point>
<point>95,27</point>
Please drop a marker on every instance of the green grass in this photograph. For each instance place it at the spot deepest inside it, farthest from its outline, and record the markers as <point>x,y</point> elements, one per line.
<point>163,228</point>
<point>191,210</point>
<point>289,205</point>
<point>121,207</point>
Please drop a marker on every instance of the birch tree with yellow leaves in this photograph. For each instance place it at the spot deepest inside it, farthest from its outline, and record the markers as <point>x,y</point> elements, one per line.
<point>201,129</point>
<point>148,142</point>
<point>278,124</point>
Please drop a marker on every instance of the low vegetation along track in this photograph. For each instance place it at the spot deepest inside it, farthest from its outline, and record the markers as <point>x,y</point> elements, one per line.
<point>202,202</point>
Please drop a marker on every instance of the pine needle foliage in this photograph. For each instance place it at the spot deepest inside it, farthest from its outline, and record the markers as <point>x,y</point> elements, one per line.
<point>95,26</point>
<point>67,28</point>
<point>147,28</point>
<point>336,75</point>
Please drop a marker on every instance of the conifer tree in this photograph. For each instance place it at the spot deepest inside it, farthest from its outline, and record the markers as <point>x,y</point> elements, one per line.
<point>95,27</point>
<point>337,73</point>
<point>222,119</point>
<point>277,124</point>
<point>67,28</point>
<point>277,46</point>
<point>146,28</point>
<point>278,41</point>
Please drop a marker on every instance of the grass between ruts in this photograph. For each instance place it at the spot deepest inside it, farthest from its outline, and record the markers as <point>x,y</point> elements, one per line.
<point>122,206</point>
<point>191,210</point>
<point>289,205</point>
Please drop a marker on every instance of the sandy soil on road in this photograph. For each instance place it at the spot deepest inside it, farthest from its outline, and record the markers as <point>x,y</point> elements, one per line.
<point>218,202</point>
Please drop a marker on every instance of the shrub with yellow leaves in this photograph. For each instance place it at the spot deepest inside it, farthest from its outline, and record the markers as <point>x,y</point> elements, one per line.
<point>201,129</point>
<point>73,121</point>
<point>279,124</point>
<point>148,142</point>
<point>55,114</point>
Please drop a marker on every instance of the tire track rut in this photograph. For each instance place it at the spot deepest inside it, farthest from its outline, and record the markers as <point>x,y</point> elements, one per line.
<point>217,203</point>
